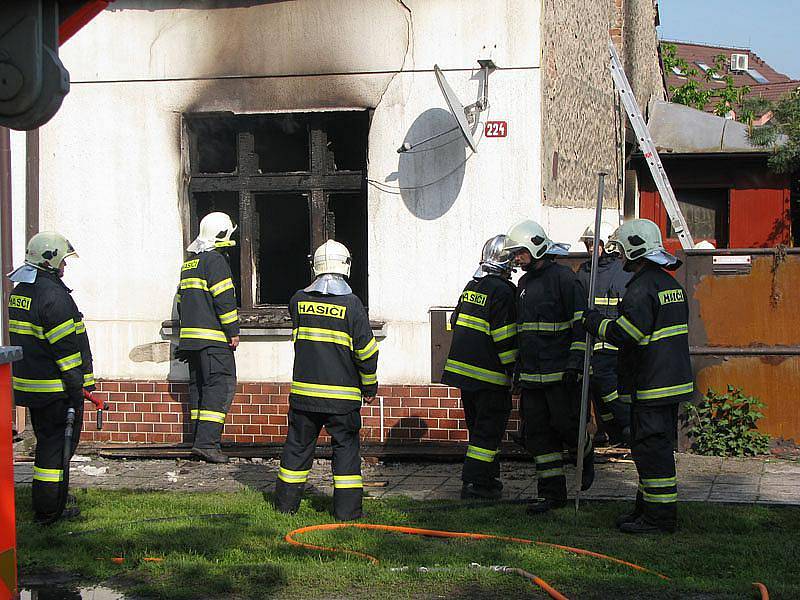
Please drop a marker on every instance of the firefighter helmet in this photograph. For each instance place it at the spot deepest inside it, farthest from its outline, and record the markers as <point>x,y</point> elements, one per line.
<point>641,238</point>
<point>605,232</point>
<point>217,227</point>
<point>331,257</point>
<point>47,250</point>
<point>531,236</point>
<point>495,258</point>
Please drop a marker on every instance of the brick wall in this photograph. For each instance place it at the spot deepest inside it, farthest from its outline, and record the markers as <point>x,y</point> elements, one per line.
<point>156,412</point>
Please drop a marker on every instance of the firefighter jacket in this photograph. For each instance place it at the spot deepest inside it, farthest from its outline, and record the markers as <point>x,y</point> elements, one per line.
<point>56,359</point>
<point>206,302</point>
<point>609,290</point>
<point>652,332</point>
<point>335,353</point>
<point>550,304</point>
<point>484,347</point>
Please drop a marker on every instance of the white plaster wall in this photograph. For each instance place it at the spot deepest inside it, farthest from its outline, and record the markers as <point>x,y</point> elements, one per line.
<point>111,164</point>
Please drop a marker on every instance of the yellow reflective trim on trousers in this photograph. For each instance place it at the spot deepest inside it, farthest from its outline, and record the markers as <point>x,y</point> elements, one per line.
<point>475,323</point>
<point>289,476</point>
<point>508,357</point>
<point>610,397</point>
<point>665,392</point>
<point>212,415</point>
<point>222,286</point>
<point>80,327</point>
<point>25,328</point>
<point>367,351</point>
<point>194,414</point>
<point>630,328</point>
<point>541,377</point>
<point>483,454</point>
<point>503,333</point>
<point>473,372</point>
<point>666,332</point>
<point>606,301</point>
<point>199,333</point>
<point>88,379</point>
<point>343,482</point>
<point>544,326</point>
<point>660,498</point>
<point>547,458</point>
<point>603,327</point>
<point>605,346</point>
<point>579,346</point>
<point>368,378</point>
<point>319,334</point>
<point>70,362</point>
<point>229,317</point>
<point>577,316</point>
<point>193,283</point>
<point>335,392</point>
<point>59,332</point>
<point>625,398</point>
<point>48,475</point>
<point>606,417</point>
<point>37,385</point>
<point>557,472</point>
<point>658,482</point>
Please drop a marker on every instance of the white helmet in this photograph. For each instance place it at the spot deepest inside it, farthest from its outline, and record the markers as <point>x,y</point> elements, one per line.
<point>47,250</point>
<point>606,230</point>
<point>641,238</point>
<point>531,236</point>
<point>216,229</point>
<point>332,257</point>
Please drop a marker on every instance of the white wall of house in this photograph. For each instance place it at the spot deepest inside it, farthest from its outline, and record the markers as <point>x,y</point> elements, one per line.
<point>111,164</point>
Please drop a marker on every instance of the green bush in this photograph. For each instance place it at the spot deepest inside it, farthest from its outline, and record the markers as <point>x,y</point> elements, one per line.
<point>725,424</point>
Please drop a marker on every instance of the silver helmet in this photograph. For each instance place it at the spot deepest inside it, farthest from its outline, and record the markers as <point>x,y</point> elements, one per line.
<point>495,258</point>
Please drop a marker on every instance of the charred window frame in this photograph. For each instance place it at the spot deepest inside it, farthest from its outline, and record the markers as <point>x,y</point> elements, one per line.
<point>290,181</point>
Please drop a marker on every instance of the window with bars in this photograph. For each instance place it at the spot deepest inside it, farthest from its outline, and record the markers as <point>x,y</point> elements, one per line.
<point>290,181</point>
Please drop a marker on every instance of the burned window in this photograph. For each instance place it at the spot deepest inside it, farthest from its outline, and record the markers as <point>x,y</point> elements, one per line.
<point>290,181</point>
<point>706,213</point>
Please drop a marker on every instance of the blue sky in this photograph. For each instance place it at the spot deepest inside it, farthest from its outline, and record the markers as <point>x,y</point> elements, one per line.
<point>770,28</point>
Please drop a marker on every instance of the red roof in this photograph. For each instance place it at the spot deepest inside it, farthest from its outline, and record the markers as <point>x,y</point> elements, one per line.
<point>774,91</point>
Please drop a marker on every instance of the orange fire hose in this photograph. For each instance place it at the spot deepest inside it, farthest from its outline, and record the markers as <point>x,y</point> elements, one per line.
<point>763,593</point>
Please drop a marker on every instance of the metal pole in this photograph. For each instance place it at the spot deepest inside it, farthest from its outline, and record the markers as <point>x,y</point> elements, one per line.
<point>587,357</point>
<point>6,258</point>
<point>380,402</point>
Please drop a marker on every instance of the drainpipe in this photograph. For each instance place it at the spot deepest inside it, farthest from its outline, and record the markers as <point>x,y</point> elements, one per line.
<point>6,258</point>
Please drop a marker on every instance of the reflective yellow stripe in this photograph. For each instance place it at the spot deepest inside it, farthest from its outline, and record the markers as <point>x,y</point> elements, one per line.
<point>610,397</point>
<point>605,346</point>
<point>198,333</point>
<point>37,385</point>
<point>368,350</point>
<point>48,475</point>
<point>547,458</point>
<point>212,415</point>
<point>473,372</point>
<point>70,362</point>
<point>289,476</point>
<point>194,414</point>
<point>630,328</point>
<point>482,454</point>
<point>88,379</point>
<point>475,323</point>
<point>660,482</point>
<point>369,378</point>
<point>59,332</point>
<point>503,333</point>
<point>25,328</point>
<point>318,334</point>
<point>606,301</point>
<point>194,283</point>
<point>545,326</point>
<point>660,498</point>
<point>222,286</point>
<point>625,398</point>
<point>229,317</point>
<point>665,332</point>
<point>547,473</point>
<point>541,377</point>
<point>508,356</point>
<point>603,326</point>
<point>606,417</point>
<point>577,316</point>
<point>665,392</point>
<point>178,298</point>
<point>335,392</point>
<point>80,327</point>
<point>579,346</point>
<point>348,481</point>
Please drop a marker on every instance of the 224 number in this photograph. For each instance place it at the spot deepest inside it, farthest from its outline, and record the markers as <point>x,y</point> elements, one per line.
<point>495,129</point>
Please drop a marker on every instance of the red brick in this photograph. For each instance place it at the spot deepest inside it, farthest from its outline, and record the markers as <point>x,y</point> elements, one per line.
<point>137,437</point>
<point>402,391</point>
<point>109,386</point>
<point>169,417</point>
<point>150,417</point>
<point>157,438</point>
<point>134,397</point>
<point>127,426</point>
<point>400,433</point>
<point>448,424</point>
<point>410,402</point>
<point>162,427</point>
<point>457,434</point>
<point>133,417</point>
<point>438,434</point>
<point>119,437</point>
<point>127,386</point>
<point>399,412</point>
<point>107,426</point>
<point>179,388</point>
<point>430,402</point>
<point>439,391</point>
<point>384,390</point>
<point>233,429</point>
<point>252,429</point>
<point>449,403</point>
<point>455,393</point>
<point>165,407</point>
<point>285,388</point>
<point>173,438</point>
<point>418,412</point>
<point>152,397</point>
<point>146,386</point>
<point>418,390</point>
<point>162,386</point>
<point>239,419</point>
<point>236,409</point>
<point>270,388</point>
<point>455,413</point>
<point>270,430</point>
<point>144,427</point>
<point>259,419</point>
<point>252,388</point>
<point>389,401</point>
<point>119,405</point>
<point>277,419</point>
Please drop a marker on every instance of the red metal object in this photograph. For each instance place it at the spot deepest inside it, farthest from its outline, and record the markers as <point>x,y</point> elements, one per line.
<point>77,20</point>
<point>8,528</point>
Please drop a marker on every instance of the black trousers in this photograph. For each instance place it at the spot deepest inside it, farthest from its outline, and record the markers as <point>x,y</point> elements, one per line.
<point>486,413</point>
<point>614,414</point>
<point>550,420</point>
<point>298,454</point>
<point>49,425</point>
<point>653,433</point>
<point>212,385</point>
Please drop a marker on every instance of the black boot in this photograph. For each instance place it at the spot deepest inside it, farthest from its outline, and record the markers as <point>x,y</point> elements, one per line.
<point>640,525</point>
<point>70,512</point>
<point>543,505</point>
<point>211,455</point>
<point>587,475</point>
<point>471,491</point>
<point>629,517</point>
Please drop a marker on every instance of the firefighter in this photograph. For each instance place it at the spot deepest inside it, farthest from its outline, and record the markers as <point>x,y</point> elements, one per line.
<point>481,364</point>
<point>613,411</point>
<point>335,364</point>
<point>652,333</point>
<point>551,342</point>
<point>55,369</point>
<point>209,332</point>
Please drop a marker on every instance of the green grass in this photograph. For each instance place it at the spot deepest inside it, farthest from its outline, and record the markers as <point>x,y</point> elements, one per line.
<point>717,553</point>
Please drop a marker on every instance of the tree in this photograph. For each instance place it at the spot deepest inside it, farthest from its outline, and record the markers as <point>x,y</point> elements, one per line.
<point>782,134</point>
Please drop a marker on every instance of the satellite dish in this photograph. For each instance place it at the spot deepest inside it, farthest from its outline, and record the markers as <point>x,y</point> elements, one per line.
<point>465,116</point>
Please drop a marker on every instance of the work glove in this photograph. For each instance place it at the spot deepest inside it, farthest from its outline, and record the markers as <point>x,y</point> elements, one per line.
<point>571,379</point>
<point>591,321</point>
<point>181,355</point>
<point>75,399</point>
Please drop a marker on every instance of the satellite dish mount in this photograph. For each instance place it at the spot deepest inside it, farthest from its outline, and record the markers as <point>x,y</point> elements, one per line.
<point>465,116</point>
